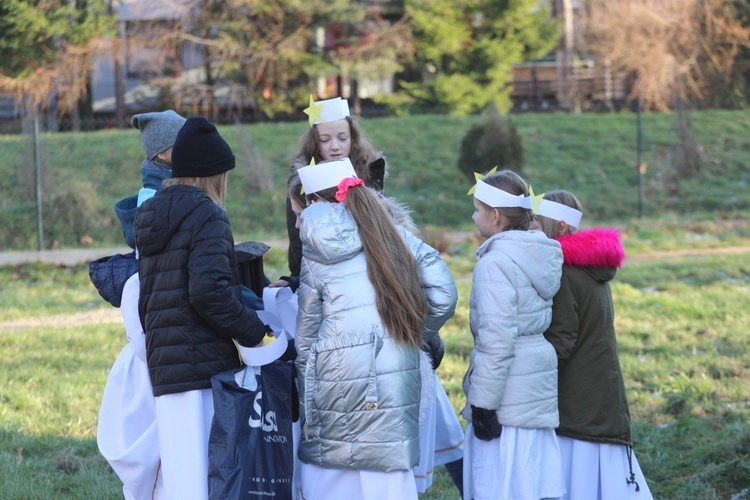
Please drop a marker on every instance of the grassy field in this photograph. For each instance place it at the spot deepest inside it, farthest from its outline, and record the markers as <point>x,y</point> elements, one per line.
<point>681,319</point>
<point>592,155</point>
<point>682,299</point>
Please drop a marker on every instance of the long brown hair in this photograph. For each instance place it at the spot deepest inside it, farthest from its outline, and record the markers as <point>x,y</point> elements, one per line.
<point>517,218</point>
<point>391,267</point>
<point>361,152</point>
<point>549,226</point>
<point>215,186</point>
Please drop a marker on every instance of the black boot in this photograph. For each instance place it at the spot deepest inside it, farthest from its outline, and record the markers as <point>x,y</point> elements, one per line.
<point>456,470</point>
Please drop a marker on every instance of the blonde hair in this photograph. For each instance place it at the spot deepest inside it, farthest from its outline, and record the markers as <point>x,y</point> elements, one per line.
<point>391,267</point>
<point>549,226</point>
<point>517,218</point>
<point>215,186</point>
<point>361,152</point>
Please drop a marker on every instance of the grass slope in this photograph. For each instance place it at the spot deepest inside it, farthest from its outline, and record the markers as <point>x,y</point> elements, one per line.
<point>592,155</point>
<point>682,298</point>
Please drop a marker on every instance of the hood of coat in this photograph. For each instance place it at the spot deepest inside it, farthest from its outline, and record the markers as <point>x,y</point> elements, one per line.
<point>598,251</point>
<point>109,275</point>
<point>160,217</point>
<point>329,233</point>
<point>538,257</point>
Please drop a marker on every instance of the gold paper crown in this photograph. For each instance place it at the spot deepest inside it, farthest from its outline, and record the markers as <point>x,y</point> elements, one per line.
<point>326,111</point>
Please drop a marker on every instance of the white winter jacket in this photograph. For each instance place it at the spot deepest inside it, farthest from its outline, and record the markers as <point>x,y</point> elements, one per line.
<point>513,369</point>
<point>359,389</point>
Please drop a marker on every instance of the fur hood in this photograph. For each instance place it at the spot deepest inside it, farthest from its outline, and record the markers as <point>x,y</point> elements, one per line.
<point>400,213</point>
<point>592,248</point>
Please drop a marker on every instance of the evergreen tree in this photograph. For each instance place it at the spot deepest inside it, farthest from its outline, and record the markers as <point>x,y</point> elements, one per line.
<point>47,48</point>
<point>466,49</point>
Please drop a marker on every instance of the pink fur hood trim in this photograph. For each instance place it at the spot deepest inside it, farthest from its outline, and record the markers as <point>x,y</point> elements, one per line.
<point>592,248</point>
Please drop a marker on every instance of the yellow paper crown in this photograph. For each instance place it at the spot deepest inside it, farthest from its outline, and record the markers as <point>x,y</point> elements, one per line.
<point>478,176</point>
<point>535,199</point>
<point>326,111</point>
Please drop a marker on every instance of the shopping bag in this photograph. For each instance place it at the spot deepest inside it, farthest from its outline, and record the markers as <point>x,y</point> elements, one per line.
<point>250,450</point>
<point>250,453</point>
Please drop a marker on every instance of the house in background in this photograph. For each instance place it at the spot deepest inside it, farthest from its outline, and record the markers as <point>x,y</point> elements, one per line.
<point>130,81</point>
<point>565,80</point>
<point>569,79</point>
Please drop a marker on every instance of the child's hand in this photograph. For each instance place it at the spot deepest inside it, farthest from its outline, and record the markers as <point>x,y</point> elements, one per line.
<point>279,284</point>
<point>486,426</point>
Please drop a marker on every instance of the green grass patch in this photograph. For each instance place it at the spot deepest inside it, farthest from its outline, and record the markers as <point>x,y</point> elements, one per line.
<point>682,298</point>
<point>593,155</point>
<point>681,323</point>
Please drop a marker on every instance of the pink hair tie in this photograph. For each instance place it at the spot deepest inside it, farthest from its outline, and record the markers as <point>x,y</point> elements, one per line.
<point>344,186</point>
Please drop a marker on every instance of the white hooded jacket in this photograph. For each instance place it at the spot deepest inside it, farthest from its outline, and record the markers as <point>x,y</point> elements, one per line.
<point>513,369</point>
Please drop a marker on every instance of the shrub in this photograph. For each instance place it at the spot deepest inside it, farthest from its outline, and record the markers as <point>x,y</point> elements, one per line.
<point>495,142</point>
<point>74,210</point>
<point>258,171</point>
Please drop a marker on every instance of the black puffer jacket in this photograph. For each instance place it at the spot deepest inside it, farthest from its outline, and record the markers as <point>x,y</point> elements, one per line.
<point>190,303</point>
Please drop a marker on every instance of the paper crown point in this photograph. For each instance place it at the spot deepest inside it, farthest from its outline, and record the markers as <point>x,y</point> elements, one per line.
<point>478,176</point>
<point>325,175</point>
<point>312,164</point>
<point>535,200</point>
<point>313,111</point>
<point>326,111</point>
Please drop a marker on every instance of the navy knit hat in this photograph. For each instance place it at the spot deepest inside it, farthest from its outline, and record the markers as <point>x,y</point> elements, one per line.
<point>200,151</point>
<point>158,130</point>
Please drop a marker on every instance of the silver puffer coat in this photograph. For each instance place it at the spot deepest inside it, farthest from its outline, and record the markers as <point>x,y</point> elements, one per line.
<point>359,389</point>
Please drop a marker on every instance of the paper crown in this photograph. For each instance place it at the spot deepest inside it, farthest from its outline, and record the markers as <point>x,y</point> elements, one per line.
<point>494,197</point>
<point>326,111</point>
<point>325,175</point>
<point>497,198</point>
<point>559,212</point>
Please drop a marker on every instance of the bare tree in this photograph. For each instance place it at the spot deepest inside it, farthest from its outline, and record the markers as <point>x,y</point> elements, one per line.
<point>64,81</point>
<point>259,51</point>
<point>672,47</point>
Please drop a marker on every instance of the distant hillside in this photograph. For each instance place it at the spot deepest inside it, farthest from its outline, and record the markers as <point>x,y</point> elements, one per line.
<point>593,155</point>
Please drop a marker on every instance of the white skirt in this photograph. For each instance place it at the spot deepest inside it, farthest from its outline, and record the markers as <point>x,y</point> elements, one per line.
<point>318,483</point>
<point>522,464</point>
<point>184,422</point>
<point>441,438</point>
<point>126,433</point>
<point>598,471</point>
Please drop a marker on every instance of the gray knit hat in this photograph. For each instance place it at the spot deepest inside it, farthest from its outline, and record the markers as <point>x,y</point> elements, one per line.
<point>158,130</point>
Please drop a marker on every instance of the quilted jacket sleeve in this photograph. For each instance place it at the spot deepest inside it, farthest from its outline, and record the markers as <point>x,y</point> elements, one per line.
<point>211,288</point>
<point>309,315</point>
